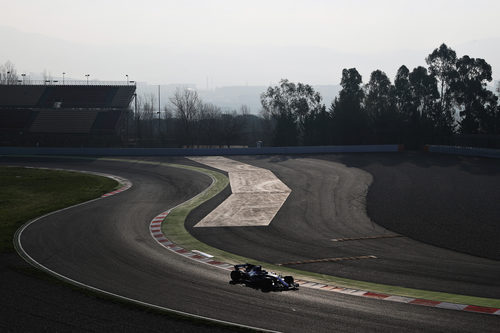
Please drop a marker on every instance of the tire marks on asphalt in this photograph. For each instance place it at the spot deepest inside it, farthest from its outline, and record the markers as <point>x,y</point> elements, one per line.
<point>326,260</point>
<point>365,238</point>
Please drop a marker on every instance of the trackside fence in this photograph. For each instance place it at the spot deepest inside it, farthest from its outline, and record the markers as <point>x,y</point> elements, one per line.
<point>468,151</point>
<point>198,151</point>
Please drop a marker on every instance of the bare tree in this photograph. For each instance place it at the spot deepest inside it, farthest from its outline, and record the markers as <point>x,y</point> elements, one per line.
<point>8,73</point>
<point>168,112</point>
<point>186,105</point>
<point>232,125</point>
<point>208,128</point>
<point>138,116</point>
<point>148,102</point>
<point>244,110</point>
<point>144,116</point>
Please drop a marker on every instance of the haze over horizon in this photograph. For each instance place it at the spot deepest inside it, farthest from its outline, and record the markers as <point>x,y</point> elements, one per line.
<point>230,43</point>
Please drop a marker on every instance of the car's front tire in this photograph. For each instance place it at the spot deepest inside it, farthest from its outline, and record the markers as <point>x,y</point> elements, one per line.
<point>266,285</point>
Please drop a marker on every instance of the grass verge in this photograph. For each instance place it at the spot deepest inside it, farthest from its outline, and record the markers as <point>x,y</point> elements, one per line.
<point>26,193</point>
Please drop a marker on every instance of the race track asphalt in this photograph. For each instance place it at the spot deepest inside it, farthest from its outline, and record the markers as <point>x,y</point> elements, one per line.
<point>106,244</point>
<point>448,201</point>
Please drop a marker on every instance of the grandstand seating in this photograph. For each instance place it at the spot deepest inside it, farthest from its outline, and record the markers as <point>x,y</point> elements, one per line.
<point>63,121</point>
<point>16,119</point>
<point>63,115</point>
<point>106,121</point>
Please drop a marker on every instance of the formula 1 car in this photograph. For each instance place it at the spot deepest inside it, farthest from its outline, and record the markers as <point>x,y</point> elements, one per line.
<point>254,276</point>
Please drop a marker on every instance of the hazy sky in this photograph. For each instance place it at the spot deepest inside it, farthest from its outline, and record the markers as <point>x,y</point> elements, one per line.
<point>234,42</point>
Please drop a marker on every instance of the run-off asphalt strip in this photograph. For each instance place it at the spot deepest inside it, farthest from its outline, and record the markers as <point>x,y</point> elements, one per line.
<point>257,195</point>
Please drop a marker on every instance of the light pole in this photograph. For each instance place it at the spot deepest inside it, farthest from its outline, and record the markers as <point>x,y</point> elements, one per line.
<point>23,75</point>
<point>127,78</point>
<point>87,75</point>
<point>64,73</point>
<point>7,78</point>
<point>159,134</point>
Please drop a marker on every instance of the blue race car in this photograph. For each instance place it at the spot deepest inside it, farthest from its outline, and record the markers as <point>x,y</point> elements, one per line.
<point>254,276</point>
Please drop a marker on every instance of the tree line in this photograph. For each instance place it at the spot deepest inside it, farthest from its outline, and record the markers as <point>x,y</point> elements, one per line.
<point>432,104</point>
<point>425,105</point>
<point>187,121</point>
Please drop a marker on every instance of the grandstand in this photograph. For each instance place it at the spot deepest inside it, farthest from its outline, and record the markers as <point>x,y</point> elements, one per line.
<point>64,115</point>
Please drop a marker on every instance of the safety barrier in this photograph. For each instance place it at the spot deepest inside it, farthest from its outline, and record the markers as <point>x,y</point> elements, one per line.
<point>468,151</point>
<point>198,151</point>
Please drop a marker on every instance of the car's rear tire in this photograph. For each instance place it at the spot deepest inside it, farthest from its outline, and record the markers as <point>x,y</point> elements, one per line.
<point>236,276</point>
